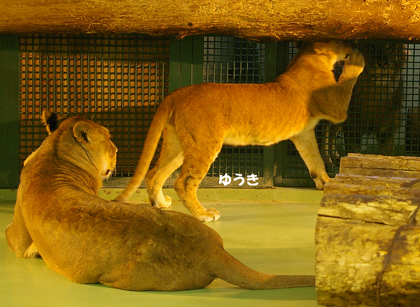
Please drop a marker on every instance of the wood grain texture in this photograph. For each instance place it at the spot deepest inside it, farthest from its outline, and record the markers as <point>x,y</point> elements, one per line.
<point>367,235</point>
<point>262,20</point>
<point>380,166</point>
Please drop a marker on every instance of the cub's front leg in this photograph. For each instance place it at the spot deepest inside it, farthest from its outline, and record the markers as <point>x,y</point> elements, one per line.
<point>353,67</point>
<point>307,146</point>
<point>334,100</point>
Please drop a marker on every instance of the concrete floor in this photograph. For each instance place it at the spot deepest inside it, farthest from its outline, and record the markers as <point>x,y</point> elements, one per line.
<point>272,237</point>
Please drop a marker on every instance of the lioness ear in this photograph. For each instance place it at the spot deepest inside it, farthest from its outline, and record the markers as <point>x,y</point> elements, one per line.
<point>51,120</point>
<point>83,132</point>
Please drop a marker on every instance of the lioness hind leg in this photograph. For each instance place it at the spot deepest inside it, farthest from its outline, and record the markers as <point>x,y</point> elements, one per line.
<point>307,146</point>
<point>170,159</point>
<point>17,235</point>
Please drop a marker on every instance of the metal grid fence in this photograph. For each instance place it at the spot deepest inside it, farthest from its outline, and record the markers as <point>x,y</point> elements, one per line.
<point>119,80</point>
<point>234,60</point>
<point>116,80</point>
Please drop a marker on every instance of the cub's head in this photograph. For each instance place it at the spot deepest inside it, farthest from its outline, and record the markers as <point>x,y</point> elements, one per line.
<point>324,54</point>
<point>336,50</point>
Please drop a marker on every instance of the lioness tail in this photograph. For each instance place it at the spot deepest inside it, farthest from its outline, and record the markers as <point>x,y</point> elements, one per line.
<point>233,271</point>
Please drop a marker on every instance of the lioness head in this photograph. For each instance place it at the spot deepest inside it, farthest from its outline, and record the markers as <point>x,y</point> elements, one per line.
<point>51,120</point>
<point>96,142</point>
<point>93,139</point>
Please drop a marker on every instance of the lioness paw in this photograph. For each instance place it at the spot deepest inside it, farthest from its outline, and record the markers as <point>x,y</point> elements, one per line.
<point>209,215</point>
<point>31,252</point>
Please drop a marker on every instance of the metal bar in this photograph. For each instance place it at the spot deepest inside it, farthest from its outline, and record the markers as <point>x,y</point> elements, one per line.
<point>9,117</point>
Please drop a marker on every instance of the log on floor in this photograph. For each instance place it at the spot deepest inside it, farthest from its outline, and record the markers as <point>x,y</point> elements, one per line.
<point>383,166</point>
<point>367,237</point>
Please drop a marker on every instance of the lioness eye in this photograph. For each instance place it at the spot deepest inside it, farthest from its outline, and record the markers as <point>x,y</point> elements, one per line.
<point>347,56</point>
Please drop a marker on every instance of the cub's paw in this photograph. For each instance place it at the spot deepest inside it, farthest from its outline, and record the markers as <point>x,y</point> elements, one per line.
<point>355,62</point>
<point>208,215</point>
<point>165,203</point>
<point>320,180</point>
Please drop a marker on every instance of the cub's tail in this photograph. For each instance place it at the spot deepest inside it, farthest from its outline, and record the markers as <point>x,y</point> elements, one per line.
<point>150,144</point>
<point>233,271</point>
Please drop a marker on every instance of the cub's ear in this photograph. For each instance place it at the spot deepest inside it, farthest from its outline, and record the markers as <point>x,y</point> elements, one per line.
<point>83,132</point>
<point>51,120</point>
<point>320,47</point>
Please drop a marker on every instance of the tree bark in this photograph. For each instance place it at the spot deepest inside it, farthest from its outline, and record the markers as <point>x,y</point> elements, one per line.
<point>262,20</point>
<point>367,234</point>
<point>351,256</point>
<point>382,166</point>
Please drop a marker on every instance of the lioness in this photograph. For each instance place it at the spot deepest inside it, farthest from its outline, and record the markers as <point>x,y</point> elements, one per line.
<point>59,216</point>
<point>197,120</point>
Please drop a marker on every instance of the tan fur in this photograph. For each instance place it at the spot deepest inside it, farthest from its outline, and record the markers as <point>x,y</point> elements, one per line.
<point>197,120</point>
<point>59,216</point>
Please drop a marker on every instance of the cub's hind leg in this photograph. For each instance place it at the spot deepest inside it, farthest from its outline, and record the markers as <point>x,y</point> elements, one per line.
<point>170,158</point>
<point>197,161</point>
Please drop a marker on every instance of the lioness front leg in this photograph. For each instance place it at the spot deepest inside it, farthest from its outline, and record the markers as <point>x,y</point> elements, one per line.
<point>307,146</point>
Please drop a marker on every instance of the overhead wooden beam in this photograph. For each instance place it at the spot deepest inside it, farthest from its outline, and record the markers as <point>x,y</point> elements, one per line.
<point>258,19</point>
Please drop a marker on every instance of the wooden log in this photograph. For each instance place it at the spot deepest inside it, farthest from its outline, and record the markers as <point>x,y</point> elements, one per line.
<point>343,188</point>
<point>353,238</point>
<point>380,162</point>
<point>369,208</point>
<point>376,181</point>
<point>381,166</point>
<point>261,20</point>
<point>367,237</point>
<point>350,256</point>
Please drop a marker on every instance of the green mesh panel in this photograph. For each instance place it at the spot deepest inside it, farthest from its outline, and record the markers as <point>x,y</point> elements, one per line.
<point>116,80</point>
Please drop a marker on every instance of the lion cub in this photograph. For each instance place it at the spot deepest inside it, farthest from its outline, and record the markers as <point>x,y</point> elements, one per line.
<point>197,120</point>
